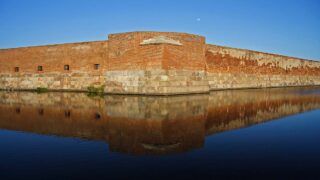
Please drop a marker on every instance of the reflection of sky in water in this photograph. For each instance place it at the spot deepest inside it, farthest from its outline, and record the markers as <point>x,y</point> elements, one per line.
<point>282,148</point>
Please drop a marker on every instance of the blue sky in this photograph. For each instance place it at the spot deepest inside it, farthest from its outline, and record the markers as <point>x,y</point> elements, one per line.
<point>288,27</point>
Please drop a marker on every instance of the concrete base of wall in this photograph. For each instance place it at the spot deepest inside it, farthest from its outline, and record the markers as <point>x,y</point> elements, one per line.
<point>152,82</point>
<point>53,81</point>
<point>218,81</point>
<point>156,82</point>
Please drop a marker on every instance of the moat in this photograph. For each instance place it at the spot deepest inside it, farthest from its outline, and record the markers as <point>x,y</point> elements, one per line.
<point>254,133</point>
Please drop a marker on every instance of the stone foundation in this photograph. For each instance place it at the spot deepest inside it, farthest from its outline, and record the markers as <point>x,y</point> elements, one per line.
<point>156,82</point>
<point>54,81</point>
<point>152,82</point>
<point>219,81</point>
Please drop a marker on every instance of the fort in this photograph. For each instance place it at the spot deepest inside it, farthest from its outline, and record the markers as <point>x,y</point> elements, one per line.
<point>152,63</point>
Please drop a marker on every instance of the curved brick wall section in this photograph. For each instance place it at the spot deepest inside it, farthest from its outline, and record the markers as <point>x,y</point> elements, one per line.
<point>160,63</point>
<point>156,63</point>
<point>180,51</point>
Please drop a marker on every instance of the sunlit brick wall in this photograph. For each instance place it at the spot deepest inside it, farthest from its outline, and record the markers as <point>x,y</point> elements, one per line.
<point>127,51</point>
<point>80,57</point>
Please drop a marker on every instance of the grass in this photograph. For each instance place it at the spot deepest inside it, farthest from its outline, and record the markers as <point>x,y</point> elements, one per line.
<point>95,91</point>
<point>41,90</point>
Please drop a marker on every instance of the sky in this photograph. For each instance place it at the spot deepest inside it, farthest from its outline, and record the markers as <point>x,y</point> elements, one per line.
<point>287,27</point>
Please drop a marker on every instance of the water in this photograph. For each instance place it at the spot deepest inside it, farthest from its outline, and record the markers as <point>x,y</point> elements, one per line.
<point>242,134</point>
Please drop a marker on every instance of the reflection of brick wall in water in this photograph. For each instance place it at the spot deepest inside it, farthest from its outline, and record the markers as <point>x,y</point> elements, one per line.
<point>150,63</point>
<point>149,125</point>
<point>253,107</point>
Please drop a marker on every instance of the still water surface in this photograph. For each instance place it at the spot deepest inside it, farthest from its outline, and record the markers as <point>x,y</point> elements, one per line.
<point>242,134</point>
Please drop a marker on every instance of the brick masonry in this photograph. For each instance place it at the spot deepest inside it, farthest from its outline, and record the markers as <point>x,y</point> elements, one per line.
<point>161,63</point>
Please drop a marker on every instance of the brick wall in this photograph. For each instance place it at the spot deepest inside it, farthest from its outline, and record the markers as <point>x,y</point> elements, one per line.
<point>238,68</point>
<point>156,63</point>
<point>127,51</point>
<point>233,60</point>
<point>188,56</point>
<point>151,63</point>
<point>80,57</point>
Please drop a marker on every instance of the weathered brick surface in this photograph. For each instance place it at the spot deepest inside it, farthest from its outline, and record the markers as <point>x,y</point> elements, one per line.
<point>151,63</point>
<point>233,60</point>
<point>238,68</point>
